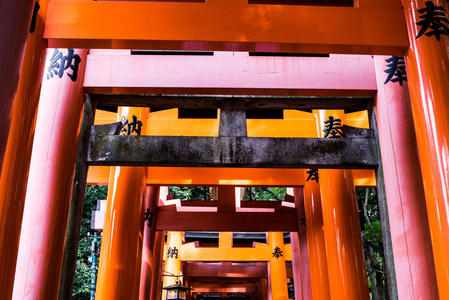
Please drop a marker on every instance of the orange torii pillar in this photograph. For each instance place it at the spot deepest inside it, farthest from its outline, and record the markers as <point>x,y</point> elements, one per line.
<point>344,248</point>
<point>121,249</point>
<point>410,235</point>
<point>315,237</point>
<point>50,181</point>
<point>172,260</point>
<point>149,231</point>
<point>428,78</point>
<point>277,269</point>
<point>15,16</point>
<point>158,257</point>
<point>300,253</point>
<point>14,174</point>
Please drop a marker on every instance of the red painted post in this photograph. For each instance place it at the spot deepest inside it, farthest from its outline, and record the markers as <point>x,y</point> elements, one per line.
<point>121,251</point>
<point>303,259</point>
<point>410,235</point>
<point>149,231</point>
<point>346,265</point>
<point>428,75</point>
<point>319,277</point>
<point>15,19</point>
<point>50,181</point>
<point>156,277</point>
<point>16,164</point>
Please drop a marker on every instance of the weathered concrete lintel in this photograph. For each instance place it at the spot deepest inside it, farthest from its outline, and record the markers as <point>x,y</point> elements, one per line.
<point>349,104</point>
<point>181,151</point>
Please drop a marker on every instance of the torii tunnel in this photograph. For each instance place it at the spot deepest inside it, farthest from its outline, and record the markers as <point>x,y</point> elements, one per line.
<point>319,97</point>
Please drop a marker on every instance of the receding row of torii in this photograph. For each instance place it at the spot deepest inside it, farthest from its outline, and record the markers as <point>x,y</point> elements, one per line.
<point>35,192</point>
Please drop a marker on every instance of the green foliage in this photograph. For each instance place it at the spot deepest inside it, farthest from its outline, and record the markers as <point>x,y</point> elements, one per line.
<point>374,233</point>
<point>83,272</point>
<point>189,193</point>
<point>258,193</point>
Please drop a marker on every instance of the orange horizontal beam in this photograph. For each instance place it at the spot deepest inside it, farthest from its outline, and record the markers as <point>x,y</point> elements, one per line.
<point>225,176</point>
<point>226,25</point>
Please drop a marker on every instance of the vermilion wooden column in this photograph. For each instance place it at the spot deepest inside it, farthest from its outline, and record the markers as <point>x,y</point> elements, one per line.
<point>315,240</point>
<point>172,260</point>
<point>410,235</point>
<point>156,280</point>
<point>16,164</point>
<point>15,19</point>
<point>428,78</point>
<point>346,265</point>
<point>121,249</point>
<point>50,181</point>
<point>300,263</point>
<point>278,272</point>
<point>149,210</point>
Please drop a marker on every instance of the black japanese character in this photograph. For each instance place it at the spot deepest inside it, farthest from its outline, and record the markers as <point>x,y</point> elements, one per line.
<point>433,16</point>
<point>313,175</point>
<point>303,219</point>
<point>172,252</point>
<point>149,217</point>
<point>134,126</point>
<point>59,63</point>
<point>396,69</point>
<point>333,128</point>
<point>277,252</point>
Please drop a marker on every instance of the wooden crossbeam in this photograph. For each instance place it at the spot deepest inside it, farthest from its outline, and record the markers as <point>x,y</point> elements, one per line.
<point>227,221</point>
<point>220,270</point>
<point>246,152</point>
<point>229,25</point>
<point>349,104</point>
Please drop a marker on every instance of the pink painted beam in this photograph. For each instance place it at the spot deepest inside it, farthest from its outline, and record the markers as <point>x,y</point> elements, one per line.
<point>337,75</point>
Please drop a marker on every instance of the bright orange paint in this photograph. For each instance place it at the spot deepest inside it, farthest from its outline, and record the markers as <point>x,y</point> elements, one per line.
<point>18,153</point>
<point>277,269</point>
<point>151,201</point>
<point>121,251</point>
<point>346,265</point>
<point>428,75</point>
<point>158,253</point>
<point>15,16</point>
<point>226,25</point>
<point>315,241</point>
<point>173,262</point>
<point>49,186</point>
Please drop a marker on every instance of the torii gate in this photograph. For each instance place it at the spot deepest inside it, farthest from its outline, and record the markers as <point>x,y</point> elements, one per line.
<point>359,29</point>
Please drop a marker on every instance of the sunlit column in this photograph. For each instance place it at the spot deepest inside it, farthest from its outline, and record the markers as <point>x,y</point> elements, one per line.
<point>428,78</point>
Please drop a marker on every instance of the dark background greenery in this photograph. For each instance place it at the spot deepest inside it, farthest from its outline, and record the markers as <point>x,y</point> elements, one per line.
<point>84,273</point>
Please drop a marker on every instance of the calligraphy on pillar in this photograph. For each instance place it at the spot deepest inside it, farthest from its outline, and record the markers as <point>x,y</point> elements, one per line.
<point>434,21</point>
<point>277,253</point>
<point>395,70</point>
<point>148,217</point>
<point>60,63</point>
<point>313,175</point>
<point>172,252</point>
